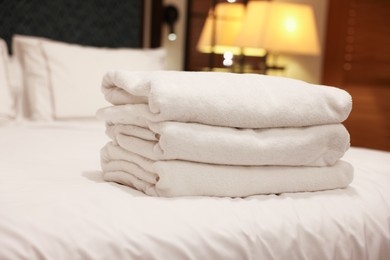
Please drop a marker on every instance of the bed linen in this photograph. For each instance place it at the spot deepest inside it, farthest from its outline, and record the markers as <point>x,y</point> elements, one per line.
<point>55,205</point>
<point>52,77</point>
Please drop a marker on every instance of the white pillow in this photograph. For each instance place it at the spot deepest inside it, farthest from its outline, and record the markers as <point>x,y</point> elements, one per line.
<point>76,73</point>
<point>7,108</point>
<point>63,80</point>
<point>36,100</point>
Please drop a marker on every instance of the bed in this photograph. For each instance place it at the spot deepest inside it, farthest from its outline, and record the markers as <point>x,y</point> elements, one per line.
<point>54,203</point>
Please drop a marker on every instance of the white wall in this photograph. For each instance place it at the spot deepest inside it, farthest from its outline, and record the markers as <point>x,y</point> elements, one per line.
<point>176,49</point>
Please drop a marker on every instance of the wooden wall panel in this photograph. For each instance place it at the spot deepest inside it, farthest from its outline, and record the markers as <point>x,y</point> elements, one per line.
<point>369,122</point>
<point>357,58</point>
<point>197,13</point>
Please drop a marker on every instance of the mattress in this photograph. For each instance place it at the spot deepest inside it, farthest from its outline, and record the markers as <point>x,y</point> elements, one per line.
<point>55,205</point>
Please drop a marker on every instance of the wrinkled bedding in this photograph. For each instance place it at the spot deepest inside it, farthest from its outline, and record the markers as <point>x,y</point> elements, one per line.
<point>54,204</point>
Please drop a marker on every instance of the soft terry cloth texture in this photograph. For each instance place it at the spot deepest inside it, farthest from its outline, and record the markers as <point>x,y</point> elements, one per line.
<point>310,146</point>
<point>182,178</point>
<point>226,99</point>
<point>223,134</point>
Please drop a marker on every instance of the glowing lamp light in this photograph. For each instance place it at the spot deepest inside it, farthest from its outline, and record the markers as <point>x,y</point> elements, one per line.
<point>290,24</point>
<point>279,27</point>
<point>220,30</point>
<point>228,59</point>
<point>172,36</point>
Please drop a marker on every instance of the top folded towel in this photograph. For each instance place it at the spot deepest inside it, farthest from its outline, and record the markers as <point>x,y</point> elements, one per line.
<point>227,99</point>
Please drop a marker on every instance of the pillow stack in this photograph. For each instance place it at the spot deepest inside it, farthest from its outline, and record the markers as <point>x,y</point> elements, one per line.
<point>60,79</point>
<point>223,134</point>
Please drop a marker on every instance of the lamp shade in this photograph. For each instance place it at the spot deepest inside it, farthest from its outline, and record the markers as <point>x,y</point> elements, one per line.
<point>280,28</point>
<point>220,30</point>
<point>251,36</point>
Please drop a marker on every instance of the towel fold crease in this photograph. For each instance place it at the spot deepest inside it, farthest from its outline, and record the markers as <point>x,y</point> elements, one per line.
<point>226,99</point>
<point>223,134</point>
<point>308,146</point>
<point>182,178</point>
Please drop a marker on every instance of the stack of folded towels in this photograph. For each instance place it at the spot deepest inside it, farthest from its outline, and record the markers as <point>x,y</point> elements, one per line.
<point>223,134</point>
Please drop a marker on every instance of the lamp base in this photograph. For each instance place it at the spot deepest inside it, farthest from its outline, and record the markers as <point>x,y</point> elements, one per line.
<point>250,64</point>
<point>265,67</point>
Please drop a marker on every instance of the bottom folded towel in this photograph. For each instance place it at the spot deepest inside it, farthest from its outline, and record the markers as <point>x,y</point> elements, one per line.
<point>183,178</point>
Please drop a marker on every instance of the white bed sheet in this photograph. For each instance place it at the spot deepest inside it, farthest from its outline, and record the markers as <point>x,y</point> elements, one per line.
<point>55,205</point>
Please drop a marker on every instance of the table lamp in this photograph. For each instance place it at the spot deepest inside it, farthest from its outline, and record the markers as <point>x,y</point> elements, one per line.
<point>220,31</point>
<point>278,28</point>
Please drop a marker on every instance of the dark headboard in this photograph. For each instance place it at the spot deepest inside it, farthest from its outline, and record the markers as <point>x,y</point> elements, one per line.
<point>102,23</point>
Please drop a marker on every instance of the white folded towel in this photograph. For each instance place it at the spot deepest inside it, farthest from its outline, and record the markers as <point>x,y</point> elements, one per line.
<point>182,178</point>
<point>226,99</point>
<point>309,146</point>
